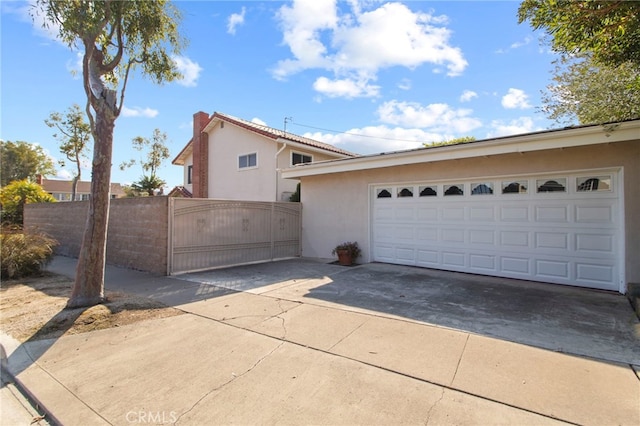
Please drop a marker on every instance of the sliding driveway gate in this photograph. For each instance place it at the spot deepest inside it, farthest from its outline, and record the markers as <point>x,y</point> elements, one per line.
<point>208,234</point>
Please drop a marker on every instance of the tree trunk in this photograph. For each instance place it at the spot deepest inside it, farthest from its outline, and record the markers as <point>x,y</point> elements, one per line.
<point>88,289</point>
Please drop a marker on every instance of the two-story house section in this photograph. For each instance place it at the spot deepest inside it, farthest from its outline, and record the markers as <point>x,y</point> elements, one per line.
<point>235,159</point>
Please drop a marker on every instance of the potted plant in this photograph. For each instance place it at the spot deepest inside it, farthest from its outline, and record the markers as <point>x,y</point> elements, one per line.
<point>347,253</point>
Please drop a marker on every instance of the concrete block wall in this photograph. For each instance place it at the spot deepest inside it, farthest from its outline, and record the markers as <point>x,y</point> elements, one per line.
<point>136,238</point>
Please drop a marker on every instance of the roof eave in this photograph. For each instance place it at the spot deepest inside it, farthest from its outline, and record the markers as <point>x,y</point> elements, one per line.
<point>562,138</point>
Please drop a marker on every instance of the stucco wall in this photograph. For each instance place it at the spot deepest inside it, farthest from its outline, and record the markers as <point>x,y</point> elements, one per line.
<point>336,206</point>
<point>137,234</point>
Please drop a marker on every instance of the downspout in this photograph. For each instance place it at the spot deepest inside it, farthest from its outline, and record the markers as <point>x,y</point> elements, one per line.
<point>277,169</point>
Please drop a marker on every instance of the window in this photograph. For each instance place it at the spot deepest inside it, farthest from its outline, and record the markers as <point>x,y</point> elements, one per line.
<point>428,191</point>
<point>297,158</point>
<point>405,192</point>
<point>517,187</point>
<point>383,193</point>
<point>247,161</point>
<point>189,174</point>
<point>482,188</point>
<point>552,185</point>
<point>453,190</point>
<point>85,197</point>
<point>599,183</point>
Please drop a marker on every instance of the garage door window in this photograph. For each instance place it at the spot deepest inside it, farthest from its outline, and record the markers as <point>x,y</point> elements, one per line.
<point>552,185</point>
<point>405,192</point>
<point>428,191</point>
<point>518,187</point>
<point>600,183</point>
<point>485,188</point>
<point>383,193</point>
<point>454,189</point>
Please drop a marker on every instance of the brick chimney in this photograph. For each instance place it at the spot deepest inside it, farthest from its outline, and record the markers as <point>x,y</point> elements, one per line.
<point>200,174</point>
<point>39,179</point>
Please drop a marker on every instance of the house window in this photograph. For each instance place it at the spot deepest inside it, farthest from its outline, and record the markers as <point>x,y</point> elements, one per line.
<point>482,188</point>
<point>297,158</point>
<point>189,174</point>
<point>85,197</point>
<point>248,161</point>
<point>551,185</point>
<point>428,191</point>
<point>599,183</point>
<point>453,190</point>
<point>517,187</point>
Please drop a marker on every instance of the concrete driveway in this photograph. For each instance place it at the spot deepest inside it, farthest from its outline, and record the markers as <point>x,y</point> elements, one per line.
<point>306,342</point>
<point>570,320</point>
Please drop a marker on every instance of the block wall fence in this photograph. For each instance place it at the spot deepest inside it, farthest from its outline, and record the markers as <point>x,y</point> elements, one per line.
<point>137,237</point>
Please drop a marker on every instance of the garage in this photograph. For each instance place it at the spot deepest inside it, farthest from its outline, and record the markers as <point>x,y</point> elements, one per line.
<point>557,206</point>
<point>561,228</point>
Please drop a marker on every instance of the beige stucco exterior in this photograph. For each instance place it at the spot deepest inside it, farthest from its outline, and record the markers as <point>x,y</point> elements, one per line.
<point>337,204</point>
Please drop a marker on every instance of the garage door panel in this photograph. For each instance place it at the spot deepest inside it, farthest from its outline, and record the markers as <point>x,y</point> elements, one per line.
<point>594,214</point>
<point>572,237</point>
<point>455,259</point>
<point>514,238</point>
<point>484,262</point>
<point>556,269</point>
<point>479,236</point>
<point>552,214</point>
<point>514,213</point>
<point>552,240</point>
<point>482,214</point>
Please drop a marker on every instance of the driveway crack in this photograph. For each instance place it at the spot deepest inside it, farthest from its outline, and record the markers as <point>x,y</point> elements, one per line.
<point>426,422</point>
<point>459,360</point>
<point>234,377</point>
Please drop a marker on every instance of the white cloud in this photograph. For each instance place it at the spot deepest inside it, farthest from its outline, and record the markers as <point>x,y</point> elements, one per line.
<point>258,121</point>
<point>513,127</point>
<point>374,139</point>
<point>467,95</point>
<point>404,84</point>
<point>436,117</point>
<point>516,98</point>
<point>363,42</point>
<point>139,112</point>
<point>190,71</point>
<point>234,20</point>
<point>346,88</point>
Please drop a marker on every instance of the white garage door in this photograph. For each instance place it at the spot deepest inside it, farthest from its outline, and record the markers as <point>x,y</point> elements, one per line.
<point>562,228</point>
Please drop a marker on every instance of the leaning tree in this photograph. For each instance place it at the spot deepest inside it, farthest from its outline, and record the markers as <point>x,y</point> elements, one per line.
<point>118,38</point>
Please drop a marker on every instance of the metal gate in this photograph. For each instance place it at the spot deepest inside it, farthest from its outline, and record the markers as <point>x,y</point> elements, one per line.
<point>207,234</point>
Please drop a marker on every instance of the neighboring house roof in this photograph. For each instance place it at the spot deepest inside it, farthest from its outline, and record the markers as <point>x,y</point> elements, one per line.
<point>547,139</point>
<point>269,132</point>
<point>84,187</point>
<point>180,191</point>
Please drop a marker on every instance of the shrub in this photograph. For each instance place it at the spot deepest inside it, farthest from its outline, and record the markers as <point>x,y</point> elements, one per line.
<point>24,254</point>
<point>14,196</point>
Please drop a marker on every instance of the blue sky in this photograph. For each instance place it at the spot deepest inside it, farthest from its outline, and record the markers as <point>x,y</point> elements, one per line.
<point>367,76</point>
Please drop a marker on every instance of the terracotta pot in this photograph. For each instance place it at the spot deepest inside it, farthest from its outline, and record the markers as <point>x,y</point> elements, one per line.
<point>344,257</point>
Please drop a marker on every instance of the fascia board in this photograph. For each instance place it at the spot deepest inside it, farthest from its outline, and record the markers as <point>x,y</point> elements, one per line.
<point>569,138</point>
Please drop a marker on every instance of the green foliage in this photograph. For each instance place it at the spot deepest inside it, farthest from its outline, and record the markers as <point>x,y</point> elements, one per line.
<point>74,134</point>
<point>454,141</point>
<point>22,160</point>
<point>156,154</point>
<point>591,92</point>
<point>24,254</point>
<point>14,196</point>
<point>147,185</point>
<point>295,197</point>
<point>610,30</point>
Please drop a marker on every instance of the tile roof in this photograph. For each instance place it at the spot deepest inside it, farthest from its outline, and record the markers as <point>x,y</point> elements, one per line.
<point>275,134</point>
<point>84,187</point>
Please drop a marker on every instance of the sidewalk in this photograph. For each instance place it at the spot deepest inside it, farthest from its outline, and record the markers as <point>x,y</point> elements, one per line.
<point>271,355</point>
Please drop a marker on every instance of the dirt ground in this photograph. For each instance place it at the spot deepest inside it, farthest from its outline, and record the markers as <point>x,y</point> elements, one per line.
<point>33,309</point>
